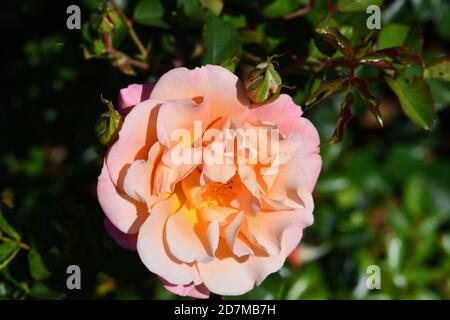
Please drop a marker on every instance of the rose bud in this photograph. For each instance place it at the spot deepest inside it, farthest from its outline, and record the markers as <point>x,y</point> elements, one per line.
<point>264,83</point>
<point>108,124</point>
<point>108,21</point>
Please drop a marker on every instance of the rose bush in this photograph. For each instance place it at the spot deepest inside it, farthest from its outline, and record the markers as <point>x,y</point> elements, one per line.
<point>205,226</point>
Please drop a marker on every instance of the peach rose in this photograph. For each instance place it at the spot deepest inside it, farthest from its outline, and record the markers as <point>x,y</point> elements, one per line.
<point>223,218</point>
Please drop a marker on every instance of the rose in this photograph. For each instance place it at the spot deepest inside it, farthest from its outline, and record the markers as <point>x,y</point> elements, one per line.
<point>205,225</point>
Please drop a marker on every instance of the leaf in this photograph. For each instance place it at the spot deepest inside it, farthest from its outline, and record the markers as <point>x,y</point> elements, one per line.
<point>439,70</point>
<point>238,21</point>
<point>6,227</point>
<point>440,22</point>
<point>280,8</point>
<point>215,6</point>
<point>392,35</point>
<point>37,268</point>
<point>326,89</point>
<point>415,98</point>
<point>231,63</point>
<point>372,102</point>
<point>397,54</point>
<point>8,250</point>
<point>344,119</point>
<point>356,5</point>
<point>415,195</point>
<point>41,291</point>
<point>440,93</point>
<point>222,40</point>
<point>322,46</point>
<point>333,36</point>
<point>149,13</point>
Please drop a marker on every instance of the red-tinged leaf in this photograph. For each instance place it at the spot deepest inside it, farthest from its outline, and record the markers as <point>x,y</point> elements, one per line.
<point>372,102</point>
<point>327,88</point>
<point>377,62</point>
<point>398,54</point>
<point>343,120</point>
<point>333,36</point>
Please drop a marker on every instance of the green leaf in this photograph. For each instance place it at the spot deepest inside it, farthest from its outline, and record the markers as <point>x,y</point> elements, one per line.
<point>8,250</point>
<point>415,195</point>
<point>191,9</point>
<point>237,22</point>
<point>392,35</point>
<point>222,40</point>
<point>215,6</point>
<point>149,13</point>
<point>439,70</point>
<point>231,63</point>
<point>41,291</point>
<point>6,227</point>
<point>440,93</point>
<point>280,8</point>
<point>326,89</point>
<point>440,22</point>
<point>356,5</point>
<point>37,268</point>
<point>415,98</point>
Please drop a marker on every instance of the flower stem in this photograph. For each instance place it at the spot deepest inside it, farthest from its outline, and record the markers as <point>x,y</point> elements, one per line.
<point>131,31</point>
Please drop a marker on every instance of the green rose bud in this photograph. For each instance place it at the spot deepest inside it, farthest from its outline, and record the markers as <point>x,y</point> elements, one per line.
<point>108,125</point>
<point>106,24</point>
<point>108,20</point>
<point>264,83</point>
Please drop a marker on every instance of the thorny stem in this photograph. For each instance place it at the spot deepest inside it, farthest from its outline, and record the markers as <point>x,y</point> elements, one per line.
<point>131,31</point>
<point>115,53</point>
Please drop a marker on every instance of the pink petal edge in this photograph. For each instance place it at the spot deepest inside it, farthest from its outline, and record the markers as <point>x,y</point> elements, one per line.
<point>195,291</point>
<point>126,241</point>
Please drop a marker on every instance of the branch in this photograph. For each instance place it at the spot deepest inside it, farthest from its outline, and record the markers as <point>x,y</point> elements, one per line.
<point>129,24</point>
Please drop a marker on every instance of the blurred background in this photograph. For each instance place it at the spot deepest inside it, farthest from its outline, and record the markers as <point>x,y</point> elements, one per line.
<point>383,197</point>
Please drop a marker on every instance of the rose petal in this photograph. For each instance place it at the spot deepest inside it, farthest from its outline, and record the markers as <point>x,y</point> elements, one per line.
<point>138,180</point>
<point>177,120</point>
<point>283,112</point>
<point>268,228</point>
<point>132,95</point>
<point>195,291</point>
<point>153,250</point>
<point>228,275</point>
<point>223,90</point>
<point>287,116</point>
<point>126,241</point>
<point>136,136</point>
<point>123,212</point>
<point>183,240</point>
